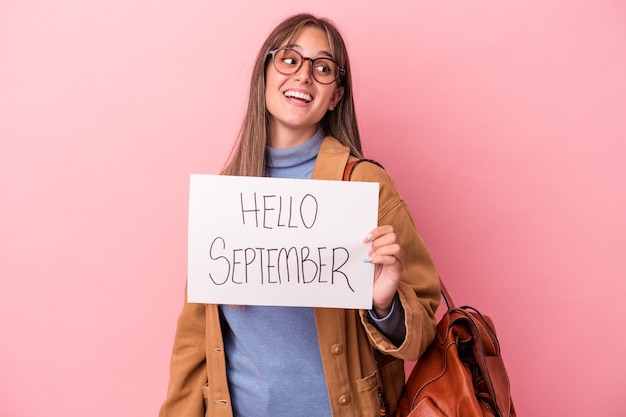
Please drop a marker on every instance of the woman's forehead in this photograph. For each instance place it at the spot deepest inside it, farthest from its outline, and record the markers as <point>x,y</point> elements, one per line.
<point>306,36</point>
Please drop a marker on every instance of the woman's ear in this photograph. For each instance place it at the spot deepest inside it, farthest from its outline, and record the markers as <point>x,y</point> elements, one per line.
<point>337,94</point>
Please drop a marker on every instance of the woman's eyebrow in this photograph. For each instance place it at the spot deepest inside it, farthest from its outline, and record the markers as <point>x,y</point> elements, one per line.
<point>299,48</point>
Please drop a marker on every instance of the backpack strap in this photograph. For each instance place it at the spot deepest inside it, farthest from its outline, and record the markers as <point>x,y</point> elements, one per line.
<point>347,173</point>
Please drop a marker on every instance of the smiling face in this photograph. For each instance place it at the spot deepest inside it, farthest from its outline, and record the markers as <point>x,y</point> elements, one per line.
<point>296,102</point>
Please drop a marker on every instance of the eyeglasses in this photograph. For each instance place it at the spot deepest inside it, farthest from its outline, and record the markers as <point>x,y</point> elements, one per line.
<point>288,61</point>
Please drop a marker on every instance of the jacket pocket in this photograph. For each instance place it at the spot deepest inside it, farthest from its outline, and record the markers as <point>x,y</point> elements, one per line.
<point>367,390</point>
<point>392,375</point>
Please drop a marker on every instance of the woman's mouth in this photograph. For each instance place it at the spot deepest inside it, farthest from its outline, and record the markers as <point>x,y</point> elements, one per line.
<point>298,95</point>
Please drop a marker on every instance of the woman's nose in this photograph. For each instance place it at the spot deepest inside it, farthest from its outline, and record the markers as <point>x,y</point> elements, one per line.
<point>304,73</point>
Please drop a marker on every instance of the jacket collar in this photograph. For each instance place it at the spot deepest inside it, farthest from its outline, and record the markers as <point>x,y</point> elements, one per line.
<point>331,160</point>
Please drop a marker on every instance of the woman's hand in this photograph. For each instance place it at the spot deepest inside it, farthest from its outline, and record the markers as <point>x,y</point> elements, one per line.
<point>387,257</point>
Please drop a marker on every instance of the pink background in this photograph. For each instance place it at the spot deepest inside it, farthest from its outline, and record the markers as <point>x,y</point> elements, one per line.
<point>503,123</point>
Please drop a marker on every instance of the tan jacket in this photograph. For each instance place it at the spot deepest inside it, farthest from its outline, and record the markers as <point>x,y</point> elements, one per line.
<point>198,385</point>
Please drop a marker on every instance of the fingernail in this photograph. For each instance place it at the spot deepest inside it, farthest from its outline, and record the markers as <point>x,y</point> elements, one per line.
<point>367,261</point>
<point>368,238</point>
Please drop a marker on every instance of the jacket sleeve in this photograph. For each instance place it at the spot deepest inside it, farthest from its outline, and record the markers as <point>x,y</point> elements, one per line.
<point>419,290</point>
<point>185,396</point>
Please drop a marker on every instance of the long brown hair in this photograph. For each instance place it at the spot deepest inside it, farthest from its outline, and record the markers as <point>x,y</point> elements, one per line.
<point>248,156</point>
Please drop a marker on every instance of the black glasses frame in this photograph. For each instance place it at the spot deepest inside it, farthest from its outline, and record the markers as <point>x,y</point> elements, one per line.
<point>340,71</point>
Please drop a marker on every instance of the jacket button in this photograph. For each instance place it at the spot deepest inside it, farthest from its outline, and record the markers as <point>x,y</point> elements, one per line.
<point>344,399</point>
<point>337,349</point>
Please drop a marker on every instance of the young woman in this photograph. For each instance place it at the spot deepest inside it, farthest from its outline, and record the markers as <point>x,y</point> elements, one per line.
<point>254,361</point>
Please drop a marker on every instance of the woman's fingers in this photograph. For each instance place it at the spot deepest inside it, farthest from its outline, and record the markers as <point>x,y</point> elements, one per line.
<point>377,233</point>
<point>385,249</point>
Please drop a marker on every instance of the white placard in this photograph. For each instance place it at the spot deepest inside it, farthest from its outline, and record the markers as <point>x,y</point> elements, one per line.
<point>280,242</point>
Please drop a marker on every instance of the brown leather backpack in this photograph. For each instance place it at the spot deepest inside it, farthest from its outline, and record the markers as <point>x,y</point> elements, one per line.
<point>461,374</point>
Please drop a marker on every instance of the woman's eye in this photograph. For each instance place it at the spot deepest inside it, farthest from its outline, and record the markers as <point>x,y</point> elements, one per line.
<point>290,58</point>
<point>323,68</point>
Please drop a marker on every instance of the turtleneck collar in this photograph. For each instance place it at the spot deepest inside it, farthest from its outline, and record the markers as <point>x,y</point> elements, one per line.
<point>296,162</point>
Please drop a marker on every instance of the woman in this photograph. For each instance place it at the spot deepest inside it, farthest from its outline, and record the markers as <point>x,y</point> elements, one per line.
<point>251,361</point>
